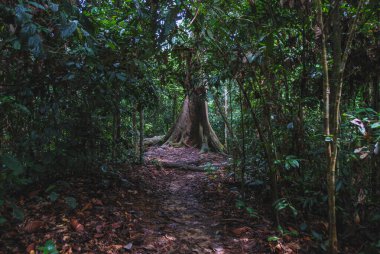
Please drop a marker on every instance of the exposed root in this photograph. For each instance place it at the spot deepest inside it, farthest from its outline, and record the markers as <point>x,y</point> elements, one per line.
<point>182,166</point>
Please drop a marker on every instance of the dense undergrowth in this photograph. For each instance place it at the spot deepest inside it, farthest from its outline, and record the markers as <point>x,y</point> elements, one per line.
<point>82,81</point>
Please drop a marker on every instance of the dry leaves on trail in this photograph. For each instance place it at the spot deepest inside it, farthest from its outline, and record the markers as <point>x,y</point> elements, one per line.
<point>241,230</point>
<point>163,211</point>
<point>97,202</point>
<point>33,226</point>
<point>76,225</point>
<point>31,247</point>
<point>87,206</point>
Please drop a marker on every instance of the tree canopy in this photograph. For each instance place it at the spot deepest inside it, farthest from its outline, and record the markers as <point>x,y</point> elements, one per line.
<point>291,88</point>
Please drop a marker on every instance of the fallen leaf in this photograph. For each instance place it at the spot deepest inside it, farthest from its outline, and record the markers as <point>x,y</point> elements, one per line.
<point>294,246</point>
<point>97,202</point>
<point>116,246</point>
<point>34,193</point>
<point>33,226</point>
<point>128,246</point>
<point>307,238</point>
<point>116,225</point>
<point>99,228</point>
<point>86,207</point>
<point>76,225</point>
<point>242,230</point>
<point>31,247</point>
<point>356,218</point>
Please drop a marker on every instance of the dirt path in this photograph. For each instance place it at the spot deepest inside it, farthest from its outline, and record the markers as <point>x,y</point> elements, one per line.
<point>182,223</point>
<point>140,209</point>
<point>187,218</point>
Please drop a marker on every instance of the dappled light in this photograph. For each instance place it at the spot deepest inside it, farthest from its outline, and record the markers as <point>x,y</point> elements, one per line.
<point>183,127</point>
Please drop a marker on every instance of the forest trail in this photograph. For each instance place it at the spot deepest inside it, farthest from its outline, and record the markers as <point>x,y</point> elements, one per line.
<point>143,209</point>
<point>189,218</point>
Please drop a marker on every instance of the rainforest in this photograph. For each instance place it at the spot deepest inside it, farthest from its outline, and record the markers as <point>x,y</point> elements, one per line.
<point>189,126</point>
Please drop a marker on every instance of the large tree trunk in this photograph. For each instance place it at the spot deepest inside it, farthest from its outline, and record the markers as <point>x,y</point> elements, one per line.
<point>193,127</point>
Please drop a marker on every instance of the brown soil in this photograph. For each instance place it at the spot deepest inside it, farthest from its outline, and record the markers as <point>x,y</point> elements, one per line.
<point>145,209</point>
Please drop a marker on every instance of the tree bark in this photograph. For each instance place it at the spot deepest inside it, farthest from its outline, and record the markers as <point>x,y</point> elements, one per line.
<point>332,119</point>
<point>135,132</point>
<point>141,153</point>
<point>225,113</point>
<point>376,93</point>
<point>116,123</point>
<point>333,240</point>
<point>174,109</point>
<point>228,126</point>
<point>193,127</point>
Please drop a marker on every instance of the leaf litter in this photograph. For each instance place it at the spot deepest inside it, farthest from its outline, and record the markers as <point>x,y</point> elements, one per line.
<point>161,211</point>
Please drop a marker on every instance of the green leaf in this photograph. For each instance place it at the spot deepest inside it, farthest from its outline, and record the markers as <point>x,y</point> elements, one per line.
<point>13,164</point>
<point>48,248</point>
<point>22,15</point>
<point>282,203</point>
<point>251,212</point>
<point>294,233</point>
<point>273,239</point>
<point>22,108</point>
<point>293,209</point>
<point>210,34</point>
<point>29,29</point>
<point>69,28</point>
<point>54,7</point>
<point>53,196</point>
<point>104,168</point>
<point>37,5</point>
<point>291,162</point>
<point>250,57</point>
<point>51,187</point>
<point>316,235</point>
<point>375,125</point>
<point>121,76</point>
<point>16,45</point>
<point>35,45</point>
<point>240,204</point>
<point>71,202</point>
<point>89,51</point>
<point>170,21</point>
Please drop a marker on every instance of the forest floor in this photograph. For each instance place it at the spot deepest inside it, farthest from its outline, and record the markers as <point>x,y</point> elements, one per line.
<point>145,209</point>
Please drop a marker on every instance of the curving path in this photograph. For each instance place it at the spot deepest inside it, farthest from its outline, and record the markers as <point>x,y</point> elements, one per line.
<point>189,215</point>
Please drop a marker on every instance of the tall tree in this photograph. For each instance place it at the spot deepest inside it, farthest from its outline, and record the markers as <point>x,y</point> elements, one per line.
<point>332,119</point>
<point>193,127</point>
